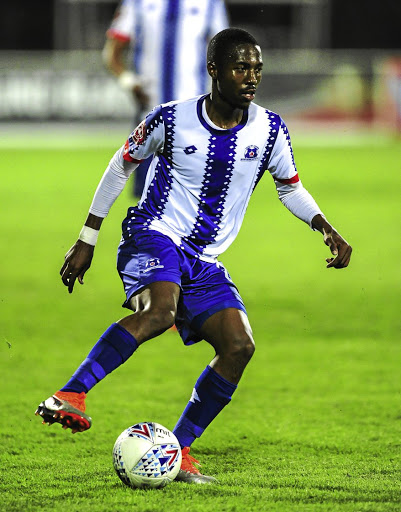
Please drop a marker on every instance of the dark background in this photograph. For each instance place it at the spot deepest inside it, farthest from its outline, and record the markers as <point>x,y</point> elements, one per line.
<point>28,25</point>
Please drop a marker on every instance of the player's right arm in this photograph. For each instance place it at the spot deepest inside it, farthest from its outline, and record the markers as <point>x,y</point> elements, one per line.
<point>79,257</point>
<point>145,140</point>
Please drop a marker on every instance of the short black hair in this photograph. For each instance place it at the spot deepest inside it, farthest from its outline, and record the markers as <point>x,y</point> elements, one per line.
<point>223,42</point>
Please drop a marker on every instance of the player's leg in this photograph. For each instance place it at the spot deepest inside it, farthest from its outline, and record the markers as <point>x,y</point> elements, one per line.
<point>154,309</point>
<point>210,308</point>
<point>149,268</point>
<point>154,312</point>
<point>229,332</point>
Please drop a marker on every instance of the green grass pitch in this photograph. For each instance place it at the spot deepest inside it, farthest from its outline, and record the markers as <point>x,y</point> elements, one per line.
<point>315,424</point>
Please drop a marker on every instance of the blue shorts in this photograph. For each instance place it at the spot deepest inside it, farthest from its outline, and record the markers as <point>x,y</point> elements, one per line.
<point>206,288</point>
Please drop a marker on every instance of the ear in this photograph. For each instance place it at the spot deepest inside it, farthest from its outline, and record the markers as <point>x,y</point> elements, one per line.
<point>212,70</point>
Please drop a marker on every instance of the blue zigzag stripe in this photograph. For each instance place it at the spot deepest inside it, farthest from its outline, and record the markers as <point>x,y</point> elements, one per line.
<point>218,171</point>
<point>275,122</point>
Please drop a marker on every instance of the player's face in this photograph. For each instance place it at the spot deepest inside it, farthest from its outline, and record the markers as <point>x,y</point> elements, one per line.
<point>239,77</point>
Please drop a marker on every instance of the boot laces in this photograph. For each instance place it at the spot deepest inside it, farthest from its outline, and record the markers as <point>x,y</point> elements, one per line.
<point>77,400</point>
<point>188,462</point>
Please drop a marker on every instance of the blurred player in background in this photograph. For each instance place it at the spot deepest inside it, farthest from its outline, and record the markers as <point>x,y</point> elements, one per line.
<point>172,35</point>
<point>210,152</point>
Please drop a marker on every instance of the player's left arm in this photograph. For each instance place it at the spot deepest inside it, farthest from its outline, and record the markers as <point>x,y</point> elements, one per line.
<point>339,247</point>
<point>299,201</point>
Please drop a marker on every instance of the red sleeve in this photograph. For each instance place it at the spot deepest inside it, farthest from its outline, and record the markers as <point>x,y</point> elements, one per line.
<point>288,181</point>
<point>127,156</point>
<point>113,34</point>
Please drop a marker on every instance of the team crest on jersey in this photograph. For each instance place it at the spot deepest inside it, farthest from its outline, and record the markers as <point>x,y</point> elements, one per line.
<point>251,153</point>
<point>152,263</point>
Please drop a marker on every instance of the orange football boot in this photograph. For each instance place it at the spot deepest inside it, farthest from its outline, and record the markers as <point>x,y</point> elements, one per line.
<point>189,473</point>
<point>66,408</point>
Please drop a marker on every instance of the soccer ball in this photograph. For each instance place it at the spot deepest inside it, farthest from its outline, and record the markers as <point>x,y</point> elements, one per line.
<point>147,455</point>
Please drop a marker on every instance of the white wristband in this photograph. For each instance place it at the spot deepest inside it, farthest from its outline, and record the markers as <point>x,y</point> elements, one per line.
<point>128,80</point>
<point>88,235</point>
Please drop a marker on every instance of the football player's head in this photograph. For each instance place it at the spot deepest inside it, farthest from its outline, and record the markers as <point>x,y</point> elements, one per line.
<point>234,61</point>
<point>225,42</point>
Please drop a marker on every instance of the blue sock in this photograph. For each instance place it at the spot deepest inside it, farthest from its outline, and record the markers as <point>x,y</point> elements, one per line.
<point>209,396</point>
<point>114,347</point>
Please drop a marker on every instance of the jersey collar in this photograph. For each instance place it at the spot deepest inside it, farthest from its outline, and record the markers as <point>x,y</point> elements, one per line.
<point>215,131</point>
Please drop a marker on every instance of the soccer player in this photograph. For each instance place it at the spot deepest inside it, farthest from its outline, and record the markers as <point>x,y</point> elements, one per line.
<point>209,153</point>
<point>172,35</point>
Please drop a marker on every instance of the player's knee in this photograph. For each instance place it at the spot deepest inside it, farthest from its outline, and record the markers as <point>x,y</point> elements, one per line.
<point>242,349</point>
<point>160,319</point>
<point>248,349</point>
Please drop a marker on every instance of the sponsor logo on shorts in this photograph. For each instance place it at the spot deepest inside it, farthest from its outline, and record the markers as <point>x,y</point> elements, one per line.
<point>152,263</point>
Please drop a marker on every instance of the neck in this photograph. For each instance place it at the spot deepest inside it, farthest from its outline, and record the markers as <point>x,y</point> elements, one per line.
<point>221,112</point>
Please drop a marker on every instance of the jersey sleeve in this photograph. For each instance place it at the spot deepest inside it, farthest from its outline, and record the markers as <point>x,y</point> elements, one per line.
<point>281,163</point>
<point>290,190</point>
<point>219,17</point>
<point>112,184</point>
<point>123,23</point>
<point>146,139</point>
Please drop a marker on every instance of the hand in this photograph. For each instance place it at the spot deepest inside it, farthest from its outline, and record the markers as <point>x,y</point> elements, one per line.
<point>76,262</point>
<point>339,248</point>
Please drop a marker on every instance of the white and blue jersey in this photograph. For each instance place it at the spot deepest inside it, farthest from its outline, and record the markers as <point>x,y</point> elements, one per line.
<point>202,177</point>
<point>169,40</point>
<point>196,193</point>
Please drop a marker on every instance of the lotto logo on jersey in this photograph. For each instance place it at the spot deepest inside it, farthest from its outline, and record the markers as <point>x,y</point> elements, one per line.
<point>251,153</point>
<point>138,135</point>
